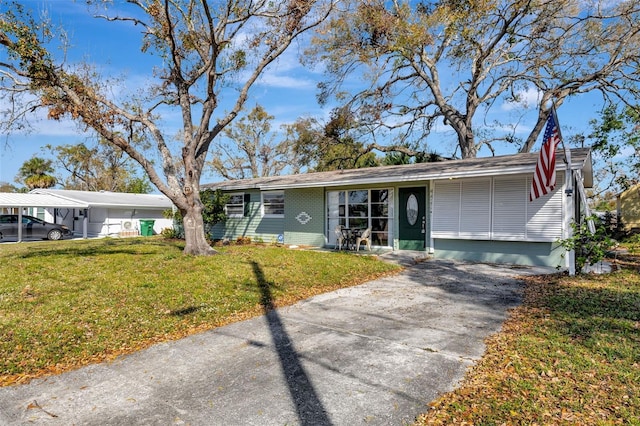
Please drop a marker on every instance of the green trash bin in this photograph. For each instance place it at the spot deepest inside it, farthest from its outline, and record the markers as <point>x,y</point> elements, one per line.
<point>146,227</point>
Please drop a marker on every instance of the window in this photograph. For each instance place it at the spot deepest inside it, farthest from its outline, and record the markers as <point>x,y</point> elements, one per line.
<point>462,209</point>
<point>235,205</point>
<point>361,209</point>
<point>9,219</point>
<point>273,204</point>
<point>495,208</point>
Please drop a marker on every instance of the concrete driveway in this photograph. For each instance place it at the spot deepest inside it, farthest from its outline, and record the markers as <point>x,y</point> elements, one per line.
<point>375,354</point>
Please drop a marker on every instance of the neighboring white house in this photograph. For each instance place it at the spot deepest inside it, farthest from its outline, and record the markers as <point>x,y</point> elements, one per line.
<point>108,213</point>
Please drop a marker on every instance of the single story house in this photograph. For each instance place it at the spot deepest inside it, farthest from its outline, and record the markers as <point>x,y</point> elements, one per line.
<point>473,209</point>
<point>107,213</point>
<point>628,206</point>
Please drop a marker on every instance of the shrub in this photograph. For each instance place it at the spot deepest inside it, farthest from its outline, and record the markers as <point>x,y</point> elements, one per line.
<point>633,244</point>
<point>170,233</point>
<point>243,241</point>
<point>590,248</point>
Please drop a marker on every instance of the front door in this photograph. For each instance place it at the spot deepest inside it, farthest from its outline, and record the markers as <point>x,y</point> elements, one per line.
<point>412,229</point>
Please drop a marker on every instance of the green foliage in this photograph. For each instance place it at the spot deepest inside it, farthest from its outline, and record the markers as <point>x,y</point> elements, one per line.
<point>214,202</point>
<point>36,173</point>
<point>213,212</point>
<point>57,318</point>
<point>170,233</point>
<point>632,243</point>
<point>101,167</point>
<point>137,185</point>
<point>416,156</point>
<point>590,248</point>
<point>615,133</point>
<point>334,145</point>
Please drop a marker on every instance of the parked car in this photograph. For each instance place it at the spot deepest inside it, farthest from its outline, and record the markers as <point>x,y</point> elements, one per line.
<point>32,227</point>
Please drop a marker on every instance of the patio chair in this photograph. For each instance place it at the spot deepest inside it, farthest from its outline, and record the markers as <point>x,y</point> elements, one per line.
<point>339,237</point>
<point>365,237</point>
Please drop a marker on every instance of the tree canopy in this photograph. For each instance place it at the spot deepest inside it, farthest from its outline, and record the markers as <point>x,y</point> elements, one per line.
<point>454,62</point>
<point>36,173</point>
<point>250,149</point>
<point>205,49</point>
<point>615,141</point>
<point>333,145</point>
<point>101,167</point>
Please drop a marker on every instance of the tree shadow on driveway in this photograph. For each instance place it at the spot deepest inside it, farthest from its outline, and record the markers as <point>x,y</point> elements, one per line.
<point>309,408</point>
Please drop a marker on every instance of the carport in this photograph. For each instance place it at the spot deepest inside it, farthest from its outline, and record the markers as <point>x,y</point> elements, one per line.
<point>22,201</point>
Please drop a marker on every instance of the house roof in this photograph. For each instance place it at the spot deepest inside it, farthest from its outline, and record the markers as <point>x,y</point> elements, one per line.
<point>110,199</point>
<point>471,167</point>
<point>38,200</point>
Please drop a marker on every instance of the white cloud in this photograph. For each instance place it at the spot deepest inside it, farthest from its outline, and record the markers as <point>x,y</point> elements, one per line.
<point>285,81</point>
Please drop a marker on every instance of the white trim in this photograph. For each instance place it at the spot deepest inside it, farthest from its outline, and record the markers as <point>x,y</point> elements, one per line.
<point>333,219</point>
<point>235,215</point>
<point>569,206</point>
<point>39,200</point>
<point>262,204</point>
<point>397,180</point>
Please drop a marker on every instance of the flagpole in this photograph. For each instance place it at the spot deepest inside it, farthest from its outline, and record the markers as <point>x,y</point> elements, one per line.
<point>569,201</point>
<point>567,154</point>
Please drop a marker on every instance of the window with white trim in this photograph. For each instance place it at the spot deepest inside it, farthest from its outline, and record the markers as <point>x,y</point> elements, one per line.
<point>361,209</point>
<point>273,204</point>
<point>235,205</point>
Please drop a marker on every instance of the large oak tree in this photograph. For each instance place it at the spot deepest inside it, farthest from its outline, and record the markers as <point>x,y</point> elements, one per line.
<point>453,62</point>
<point>206,49</point>
<point>250,149</point>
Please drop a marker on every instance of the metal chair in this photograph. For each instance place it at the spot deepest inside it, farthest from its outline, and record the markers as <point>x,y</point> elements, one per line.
<point>365,237</point>
<point>339,237</point>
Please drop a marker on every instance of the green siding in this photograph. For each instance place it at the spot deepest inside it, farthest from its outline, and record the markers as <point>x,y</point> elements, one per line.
<point>253,225</point>
<point>508,252</point>
<point>296,229</point>
<point>305,224</point>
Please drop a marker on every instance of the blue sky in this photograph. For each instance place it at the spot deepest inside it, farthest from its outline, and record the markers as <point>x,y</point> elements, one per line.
<point>287,91</point>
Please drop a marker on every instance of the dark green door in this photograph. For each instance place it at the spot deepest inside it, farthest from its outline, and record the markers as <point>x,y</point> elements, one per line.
<point>412,206</point>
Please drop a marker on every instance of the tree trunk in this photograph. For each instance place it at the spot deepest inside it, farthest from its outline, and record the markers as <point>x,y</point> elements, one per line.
<point>462,125</point>
<point>194,234</point>
<point>466,142</point>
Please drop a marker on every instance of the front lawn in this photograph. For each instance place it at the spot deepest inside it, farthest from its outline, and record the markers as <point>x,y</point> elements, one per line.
<point>570,355</point>
<point>65,304</point>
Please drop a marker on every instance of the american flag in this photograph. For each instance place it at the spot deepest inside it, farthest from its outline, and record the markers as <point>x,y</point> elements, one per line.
<point>544,178</point>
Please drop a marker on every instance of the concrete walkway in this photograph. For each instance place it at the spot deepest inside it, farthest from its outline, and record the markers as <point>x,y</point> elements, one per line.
<point>375,354</point>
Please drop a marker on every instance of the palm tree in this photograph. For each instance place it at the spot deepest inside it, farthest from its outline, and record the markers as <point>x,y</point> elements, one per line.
<point>36,173</point>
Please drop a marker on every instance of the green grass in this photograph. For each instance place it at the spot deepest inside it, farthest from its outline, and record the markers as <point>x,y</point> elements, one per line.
<point>69,303</point>
<point>569,355</point>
